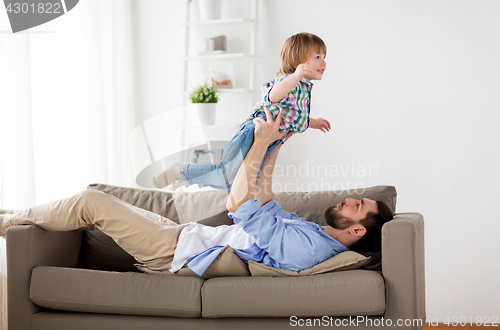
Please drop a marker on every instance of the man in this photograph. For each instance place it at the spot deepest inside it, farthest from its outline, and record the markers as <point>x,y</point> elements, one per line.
<point>263,232</point>
<point>291,242</point>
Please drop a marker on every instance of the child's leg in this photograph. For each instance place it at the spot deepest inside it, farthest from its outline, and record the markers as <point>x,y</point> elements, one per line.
<point>147,236</point>
<point>169,177</point>
<point>221,175</point>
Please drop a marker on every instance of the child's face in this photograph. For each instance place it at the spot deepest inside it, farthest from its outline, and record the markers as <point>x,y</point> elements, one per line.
<point>318,66</point>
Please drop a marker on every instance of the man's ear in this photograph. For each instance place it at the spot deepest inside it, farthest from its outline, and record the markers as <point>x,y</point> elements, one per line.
<point>358,231</point>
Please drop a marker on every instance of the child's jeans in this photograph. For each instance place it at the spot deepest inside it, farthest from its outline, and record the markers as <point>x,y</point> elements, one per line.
<point>221,176</point>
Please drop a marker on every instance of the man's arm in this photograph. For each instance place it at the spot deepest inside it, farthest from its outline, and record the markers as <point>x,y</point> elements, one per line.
<point>264,182</point>
<point>244,184</point>
<point>264,189</point>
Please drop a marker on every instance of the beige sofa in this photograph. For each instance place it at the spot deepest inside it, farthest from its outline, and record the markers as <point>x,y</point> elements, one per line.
<point>83,280</point>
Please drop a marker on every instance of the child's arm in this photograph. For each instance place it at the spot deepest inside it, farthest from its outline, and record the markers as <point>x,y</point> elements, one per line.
<point>319,123</point>
<point>281,89</point>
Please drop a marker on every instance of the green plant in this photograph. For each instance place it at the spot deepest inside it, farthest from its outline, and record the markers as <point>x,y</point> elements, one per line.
<point>204,94</point>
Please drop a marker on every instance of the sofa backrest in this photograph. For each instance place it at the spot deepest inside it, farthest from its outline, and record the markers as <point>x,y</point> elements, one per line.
<point>201,206</point>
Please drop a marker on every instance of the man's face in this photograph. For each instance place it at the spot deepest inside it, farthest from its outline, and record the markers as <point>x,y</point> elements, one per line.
<point>351,211</point>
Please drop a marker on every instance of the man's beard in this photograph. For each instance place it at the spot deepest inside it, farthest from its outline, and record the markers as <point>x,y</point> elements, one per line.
<point>339,222</point>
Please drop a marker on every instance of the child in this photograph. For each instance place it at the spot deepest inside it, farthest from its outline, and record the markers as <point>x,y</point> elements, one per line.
<point>289,95</point>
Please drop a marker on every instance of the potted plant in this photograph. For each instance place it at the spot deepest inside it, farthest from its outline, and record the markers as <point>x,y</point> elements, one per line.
<point>205,98</point>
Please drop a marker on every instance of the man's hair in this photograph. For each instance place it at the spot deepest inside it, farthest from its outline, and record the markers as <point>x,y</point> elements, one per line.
<point>373,222</point>
<point>297,49</point>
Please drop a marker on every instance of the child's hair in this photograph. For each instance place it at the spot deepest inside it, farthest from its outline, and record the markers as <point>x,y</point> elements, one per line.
<point>297,49</point>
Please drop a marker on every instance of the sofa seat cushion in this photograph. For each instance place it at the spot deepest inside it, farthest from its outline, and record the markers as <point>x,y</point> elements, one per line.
<point>353,292</point>
<point>84,290</point>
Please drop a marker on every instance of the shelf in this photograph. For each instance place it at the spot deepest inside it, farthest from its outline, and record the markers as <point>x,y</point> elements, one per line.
<point>215,57</point>
<point>216,22</point>
<point>204,127</point>
<point>231,91</point>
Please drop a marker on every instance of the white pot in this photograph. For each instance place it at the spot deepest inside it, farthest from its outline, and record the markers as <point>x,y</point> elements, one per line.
<point>206,113</point>
<point>209,9</point>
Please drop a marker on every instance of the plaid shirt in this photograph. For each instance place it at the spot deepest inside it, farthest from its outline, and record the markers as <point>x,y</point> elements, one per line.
<point>296,105</point>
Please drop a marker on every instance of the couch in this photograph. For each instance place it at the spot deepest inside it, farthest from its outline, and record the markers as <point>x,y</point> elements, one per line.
<point>83,280</point>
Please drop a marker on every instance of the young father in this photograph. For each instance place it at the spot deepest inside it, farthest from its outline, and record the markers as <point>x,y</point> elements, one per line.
<point>262,231</point>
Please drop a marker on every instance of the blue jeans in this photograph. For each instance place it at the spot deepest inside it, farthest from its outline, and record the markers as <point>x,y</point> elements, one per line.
<point>221,176</point>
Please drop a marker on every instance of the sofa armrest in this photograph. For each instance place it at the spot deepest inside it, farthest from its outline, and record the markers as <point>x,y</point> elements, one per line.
<point>27,248</point>
<point>403,268</point>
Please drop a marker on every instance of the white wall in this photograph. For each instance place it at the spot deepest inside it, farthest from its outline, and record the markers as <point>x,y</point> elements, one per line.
<point>412,92</point>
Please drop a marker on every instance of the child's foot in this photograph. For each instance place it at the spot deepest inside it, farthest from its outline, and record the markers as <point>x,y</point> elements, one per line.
<point>175,185</point>
<point>168,177</point>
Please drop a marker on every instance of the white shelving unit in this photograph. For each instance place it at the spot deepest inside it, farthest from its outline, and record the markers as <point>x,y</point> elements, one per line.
<point>239,21</point>
<point>219,22</point>
<point>190,26</point>
<point>152,154</point>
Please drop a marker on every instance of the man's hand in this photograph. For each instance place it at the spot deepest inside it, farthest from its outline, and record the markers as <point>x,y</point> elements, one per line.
<point>320,123</point>
<point>267,131</point>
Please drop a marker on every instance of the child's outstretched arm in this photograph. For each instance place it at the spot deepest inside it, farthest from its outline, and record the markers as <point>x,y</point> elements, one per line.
<point>320,123</point>
<point>281,89</point>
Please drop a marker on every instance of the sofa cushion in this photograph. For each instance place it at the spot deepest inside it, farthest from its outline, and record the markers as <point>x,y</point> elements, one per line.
<point>155,201</point>
<point>210,206</point>
<point>347,260</point>
<point>83,290</point>
<point>355,292</point>
<point>227,263</point>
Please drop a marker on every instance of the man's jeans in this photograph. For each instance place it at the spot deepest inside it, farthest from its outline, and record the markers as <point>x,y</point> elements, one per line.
<point>221,176</point>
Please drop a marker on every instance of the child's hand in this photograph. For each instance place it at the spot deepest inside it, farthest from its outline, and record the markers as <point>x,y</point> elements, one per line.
<point>302,70</point>
<point>320,123</point>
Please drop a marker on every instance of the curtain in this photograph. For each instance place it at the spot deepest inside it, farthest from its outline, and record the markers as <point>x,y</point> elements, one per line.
<point>66,107</point>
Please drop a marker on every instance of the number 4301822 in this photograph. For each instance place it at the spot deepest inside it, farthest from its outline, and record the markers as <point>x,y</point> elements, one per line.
<point>40,8</point>
<point>479,321</point>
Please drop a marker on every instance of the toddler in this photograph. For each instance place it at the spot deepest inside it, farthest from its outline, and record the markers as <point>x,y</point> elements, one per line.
<point>288,95</point>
